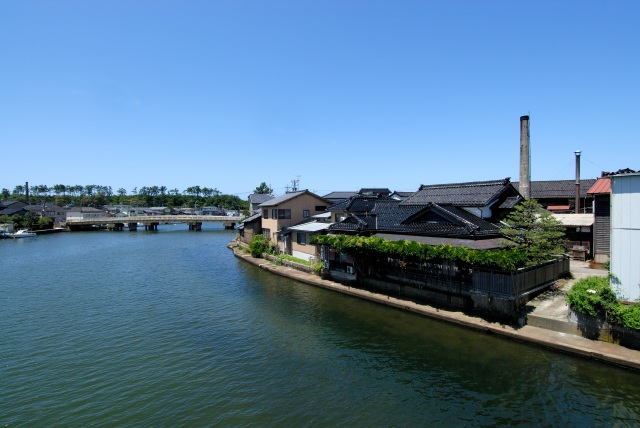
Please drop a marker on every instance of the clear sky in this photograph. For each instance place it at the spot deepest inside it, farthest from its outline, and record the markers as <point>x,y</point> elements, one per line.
<point>340,94</point>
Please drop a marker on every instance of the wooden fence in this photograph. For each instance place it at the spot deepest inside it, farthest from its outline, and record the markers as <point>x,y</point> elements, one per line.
<point>520,282</point>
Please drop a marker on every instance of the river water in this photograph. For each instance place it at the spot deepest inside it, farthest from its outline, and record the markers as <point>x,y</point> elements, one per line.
<point>168,328</point>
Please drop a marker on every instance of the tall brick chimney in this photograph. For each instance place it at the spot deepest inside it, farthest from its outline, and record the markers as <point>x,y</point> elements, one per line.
<point>524,186</point>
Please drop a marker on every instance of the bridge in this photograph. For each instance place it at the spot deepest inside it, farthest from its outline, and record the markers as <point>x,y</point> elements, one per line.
<point>151,222</point>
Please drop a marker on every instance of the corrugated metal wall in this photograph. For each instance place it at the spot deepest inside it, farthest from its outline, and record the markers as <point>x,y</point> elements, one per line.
<point>602,226</point>
<point>625,233</point>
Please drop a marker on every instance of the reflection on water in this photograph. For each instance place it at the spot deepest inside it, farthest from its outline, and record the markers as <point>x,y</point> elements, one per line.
<point>168,328</point>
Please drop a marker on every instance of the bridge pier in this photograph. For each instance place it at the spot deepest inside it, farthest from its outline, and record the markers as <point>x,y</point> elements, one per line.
<point>115,226</point>
<point>195,225</point>
<point>132,227</point>
<point>229,225</point>
<point>152,225</point>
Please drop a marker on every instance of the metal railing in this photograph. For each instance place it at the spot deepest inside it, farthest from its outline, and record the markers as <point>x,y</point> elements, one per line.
<point>154,219</point>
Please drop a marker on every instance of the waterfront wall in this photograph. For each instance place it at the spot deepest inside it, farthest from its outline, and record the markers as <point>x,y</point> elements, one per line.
<point>491,292</point>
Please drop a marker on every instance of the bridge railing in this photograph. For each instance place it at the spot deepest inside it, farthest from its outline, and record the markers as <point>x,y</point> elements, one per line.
<point>156,218</point>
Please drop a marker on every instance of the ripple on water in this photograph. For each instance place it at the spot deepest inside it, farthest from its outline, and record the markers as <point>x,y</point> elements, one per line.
<point>168,328</point>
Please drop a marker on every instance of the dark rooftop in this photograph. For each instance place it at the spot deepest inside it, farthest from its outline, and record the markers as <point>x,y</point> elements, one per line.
<point>476,193</point>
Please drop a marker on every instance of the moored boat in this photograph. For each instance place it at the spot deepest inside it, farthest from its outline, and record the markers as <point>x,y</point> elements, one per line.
<point>22,233</point>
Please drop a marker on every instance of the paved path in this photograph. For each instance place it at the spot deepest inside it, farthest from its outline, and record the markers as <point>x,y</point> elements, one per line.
<point>564,342</point>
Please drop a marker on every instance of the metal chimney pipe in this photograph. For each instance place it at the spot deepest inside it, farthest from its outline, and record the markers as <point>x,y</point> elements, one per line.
<point>524,187</point>
<point>578,153</point>
<point>26,187</point>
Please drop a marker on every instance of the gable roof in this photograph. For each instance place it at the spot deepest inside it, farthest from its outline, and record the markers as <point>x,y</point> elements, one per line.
<point>471,194</point>
<point>13,210</point>
<point>390,215</point>
<point>289,196</point>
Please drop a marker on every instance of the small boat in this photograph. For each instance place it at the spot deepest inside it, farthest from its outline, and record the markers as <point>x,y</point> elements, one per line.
<point>22,233</point>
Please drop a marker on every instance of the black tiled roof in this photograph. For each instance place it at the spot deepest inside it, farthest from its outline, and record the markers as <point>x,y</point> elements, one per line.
<point>11,210</point>
<point>355,223</point>
<point>476,193</point>
<point>450,219</point>
<point>510,202</point>
<point>359,203</point>
<point>391,216</point>
<point>374,191</point>
<point>558,188</point>
<point>339,195</point>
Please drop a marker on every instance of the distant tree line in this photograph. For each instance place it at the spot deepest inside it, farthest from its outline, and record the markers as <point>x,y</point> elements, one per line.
<point>96,196</point>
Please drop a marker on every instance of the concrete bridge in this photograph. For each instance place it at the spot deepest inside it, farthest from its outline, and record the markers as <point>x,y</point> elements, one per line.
<point>151,222</point>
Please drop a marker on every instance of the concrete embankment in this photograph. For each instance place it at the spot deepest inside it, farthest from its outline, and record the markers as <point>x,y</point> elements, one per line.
<point>544,337</point>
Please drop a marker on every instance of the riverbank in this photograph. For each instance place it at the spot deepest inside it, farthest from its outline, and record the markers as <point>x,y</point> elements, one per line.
<point>563,342</point>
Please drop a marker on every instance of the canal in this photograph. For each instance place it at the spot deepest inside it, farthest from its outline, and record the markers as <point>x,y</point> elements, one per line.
<point>168,328</point>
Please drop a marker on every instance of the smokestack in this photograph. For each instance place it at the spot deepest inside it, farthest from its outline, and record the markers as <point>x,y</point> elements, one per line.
<point>578,153</point>
<point>524,186</point>
<point>26,186</point>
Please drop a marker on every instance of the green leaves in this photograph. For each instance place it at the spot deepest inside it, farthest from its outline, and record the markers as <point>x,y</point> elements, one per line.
<point>593,296</point>
<point>535,232</point>
<point>365,246</point>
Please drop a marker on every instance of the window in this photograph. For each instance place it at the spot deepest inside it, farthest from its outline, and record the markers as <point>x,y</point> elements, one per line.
<point>265,214</point>
<point>284,214</point>
<point>266,233</point>
<point>305,213</point>
<point>302,238</point>
<point>274,213</point>
<point>321,208</point>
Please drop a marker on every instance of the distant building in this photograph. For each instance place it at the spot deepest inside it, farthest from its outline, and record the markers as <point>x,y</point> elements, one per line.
<point>256,199</point>
<point>85,213</point>
<point>560,195</point>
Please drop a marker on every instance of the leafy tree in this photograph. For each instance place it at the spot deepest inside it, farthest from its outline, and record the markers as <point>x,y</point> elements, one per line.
<point>5,193</point>
<point>263,189</point>
<point>45,223</point>
<point>534,231</point>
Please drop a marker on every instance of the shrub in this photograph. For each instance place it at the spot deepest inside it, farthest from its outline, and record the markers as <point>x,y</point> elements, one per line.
<point>592,296</point>
<point>629,316</point>
<point>258,246</point>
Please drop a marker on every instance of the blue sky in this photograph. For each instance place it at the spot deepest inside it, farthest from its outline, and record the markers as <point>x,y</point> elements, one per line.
<point>339,94</point>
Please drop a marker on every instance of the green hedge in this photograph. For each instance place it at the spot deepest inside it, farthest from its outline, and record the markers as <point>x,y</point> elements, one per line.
<point>593,296</point>
<point>503,259</point>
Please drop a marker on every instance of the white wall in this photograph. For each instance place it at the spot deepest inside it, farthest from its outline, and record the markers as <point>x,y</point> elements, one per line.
<point>625,233</point>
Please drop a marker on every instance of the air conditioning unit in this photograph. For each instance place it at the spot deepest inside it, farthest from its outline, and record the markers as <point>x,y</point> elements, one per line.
<point>351,270</point>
